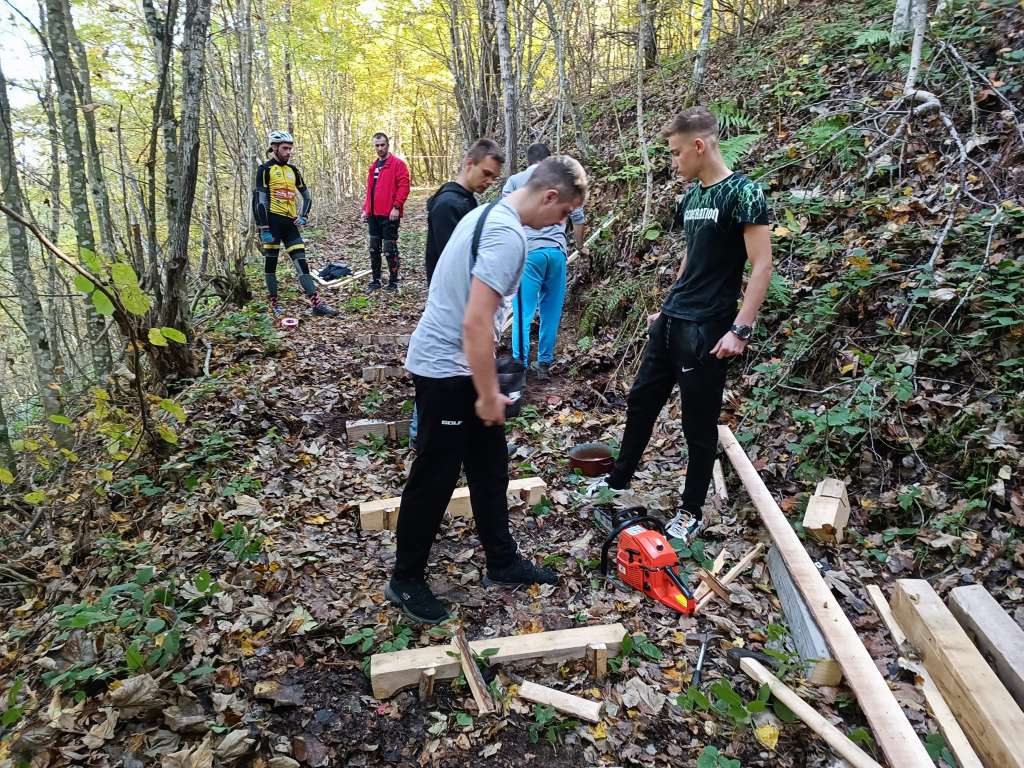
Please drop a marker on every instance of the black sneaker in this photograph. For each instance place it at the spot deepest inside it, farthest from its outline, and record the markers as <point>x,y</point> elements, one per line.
<point>392,287</point>
<point>416,601</point>
<point>542,371</point>
<point>373,286</point>
<point>520,573</point>
<point>324,310</point>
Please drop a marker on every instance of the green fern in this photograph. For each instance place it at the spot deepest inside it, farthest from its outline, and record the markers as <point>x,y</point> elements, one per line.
<point>870,37</point>
<point>736,147</point>
<point>731,119</point>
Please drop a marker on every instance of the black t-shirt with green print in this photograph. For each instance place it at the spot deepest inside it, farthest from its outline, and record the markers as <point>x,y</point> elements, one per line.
<point>713,219</point>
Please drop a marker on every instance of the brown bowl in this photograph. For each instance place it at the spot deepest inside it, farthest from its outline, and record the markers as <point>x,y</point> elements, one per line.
<point>592,459</point>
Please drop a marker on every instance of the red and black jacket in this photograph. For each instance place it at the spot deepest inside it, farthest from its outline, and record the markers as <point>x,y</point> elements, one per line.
<point>390,190</point>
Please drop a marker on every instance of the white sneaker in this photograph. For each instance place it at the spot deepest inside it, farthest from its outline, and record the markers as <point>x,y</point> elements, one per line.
<point>683,526</point>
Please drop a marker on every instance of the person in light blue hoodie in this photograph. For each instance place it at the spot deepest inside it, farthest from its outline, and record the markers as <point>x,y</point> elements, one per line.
<point>543,283</point>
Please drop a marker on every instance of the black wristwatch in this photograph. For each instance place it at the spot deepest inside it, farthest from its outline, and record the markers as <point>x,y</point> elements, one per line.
<point>743,331</point>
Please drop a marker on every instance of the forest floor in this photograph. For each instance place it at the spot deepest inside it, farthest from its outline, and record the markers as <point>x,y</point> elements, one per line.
<point>263,581</point>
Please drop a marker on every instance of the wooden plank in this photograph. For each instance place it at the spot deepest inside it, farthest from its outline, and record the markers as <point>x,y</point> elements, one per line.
<point>387,339</point>
<point>822,669</point>
<point>734,572</point>
<point>712,583</point>
<point>955,737</point>
<point>382,514</point>
<point>997,635</point>
<point>426,686</point>
<point>828,511</point>
<point>477,685</point>
<point>835,738</point>
<point>885,614</point>
<point>315,273</point>
<point>892,731</point>
<point>373,373</point>
<point>567,703</point>
<point>394,430</point>
<point>391,672</point>
<point>988,714</point>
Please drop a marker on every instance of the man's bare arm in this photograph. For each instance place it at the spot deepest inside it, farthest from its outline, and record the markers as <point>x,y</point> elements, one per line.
<point>758,240</point>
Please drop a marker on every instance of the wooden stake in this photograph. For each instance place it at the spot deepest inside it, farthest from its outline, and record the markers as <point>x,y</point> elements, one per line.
<point>835,738</point>
<point>477,686</point>
<point>892,730</point>
<point>567,703</point>
<point>597,658</point>
<point>714,584</point>
<point>885,614</point>
<point>716,568</point>
<point>719,477</point>
<point>984,708</point>
<point>426,688</point>
<point>828,511</point>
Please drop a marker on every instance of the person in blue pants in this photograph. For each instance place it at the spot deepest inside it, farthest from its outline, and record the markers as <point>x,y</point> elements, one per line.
<point>543,282</point>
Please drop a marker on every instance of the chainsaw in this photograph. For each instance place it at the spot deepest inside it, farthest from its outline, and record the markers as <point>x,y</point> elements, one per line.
<point>646,561</point>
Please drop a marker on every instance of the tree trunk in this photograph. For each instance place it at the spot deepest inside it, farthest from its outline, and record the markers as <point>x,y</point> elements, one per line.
<point>7,458</point>
<point>268,78</point>
<point>97,185</point>
<point>177,359</point>
<point>702,50</point>
<point>900,24</point>
<point>60,50</point>
<point>919,20</point>
<point>647,40</point>
<point>288,89</point>
<point>21,271</point>
<point>642,136</point>
<point>508,83</point>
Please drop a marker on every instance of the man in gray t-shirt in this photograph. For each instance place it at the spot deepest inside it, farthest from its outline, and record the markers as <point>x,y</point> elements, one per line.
<point>543,282</point>
<point>461,408</point>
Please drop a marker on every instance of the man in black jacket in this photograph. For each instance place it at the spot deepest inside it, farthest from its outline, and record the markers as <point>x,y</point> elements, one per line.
<point>481,166</point>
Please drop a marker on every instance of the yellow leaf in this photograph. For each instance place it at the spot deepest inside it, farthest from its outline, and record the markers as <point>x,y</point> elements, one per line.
<point>599,731</point>
<point>768,735</point>
<point>781,231</point>
<point>317,520</point>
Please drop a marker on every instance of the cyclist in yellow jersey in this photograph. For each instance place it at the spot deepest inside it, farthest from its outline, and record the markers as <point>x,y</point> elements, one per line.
<point>279,214</point>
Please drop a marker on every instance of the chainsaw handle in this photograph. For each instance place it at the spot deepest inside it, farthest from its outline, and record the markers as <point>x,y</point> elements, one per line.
<point>623,525</point>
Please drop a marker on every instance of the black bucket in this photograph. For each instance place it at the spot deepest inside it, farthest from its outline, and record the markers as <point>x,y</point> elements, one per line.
<point>512,382</point>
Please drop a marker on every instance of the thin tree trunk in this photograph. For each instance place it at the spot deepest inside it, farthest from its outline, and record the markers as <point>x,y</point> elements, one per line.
<point>175,310</point>
<point>79,195</point>
<point>21,271</point>
<point>642,136</point>
<point>7,458</point>
<point>288,87</point>
<point>702,50</point>
<point>900,24</point>
<point>647,40</point>
<point>508,83</point>
<point>919,20</point>
<point>97,185</point>
<point>268,78</point>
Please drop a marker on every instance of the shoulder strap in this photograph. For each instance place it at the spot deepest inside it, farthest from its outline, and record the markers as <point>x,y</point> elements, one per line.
<point>478,231</point>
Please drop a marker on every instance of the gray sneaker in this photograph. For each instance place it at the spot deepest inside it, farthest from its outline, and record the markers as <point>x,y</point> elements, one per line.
<point>684,526</point>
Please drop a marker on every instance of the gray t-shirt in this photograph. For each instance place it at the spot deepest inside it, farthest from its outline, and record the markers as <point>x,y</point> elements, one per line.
<point>549,237</point>
<point>435,349</point>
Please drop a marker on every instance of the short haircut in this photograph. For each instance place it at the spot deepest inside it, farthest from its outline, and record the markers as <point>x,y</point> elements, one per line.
<point>563,173</point>
<point>484,148</point>
<point>699,121</point>
<point>537,152</point>
<point>381,135</point>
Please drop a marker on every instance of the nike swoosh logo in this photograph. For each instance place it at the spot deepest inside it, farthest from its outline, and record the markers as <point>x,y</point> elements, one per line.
<point>686,370</point>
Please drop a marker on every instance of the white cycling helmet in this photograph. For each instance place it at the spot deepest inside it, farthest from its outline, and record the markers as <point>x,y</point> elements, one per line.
<point>281,137</point>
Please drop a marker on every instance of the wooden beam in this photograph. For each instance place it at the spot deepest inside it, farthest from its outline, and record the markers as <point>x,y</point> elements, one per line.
<point>988,714</point>
<point>828,511</point>
<point>735,571</point>
<point>822,669</point>
<point>567,703</point>
<point>477,685</point>
<point>391,672</point>
<point>997,635</point>
<point>893,732</point>
<point>393,430</point>
<point>382,514</point>
<point>955,737</point>
<point>315,274</point>
<point>835,738</point>
<point>381,372</point>
<point>426,686</point>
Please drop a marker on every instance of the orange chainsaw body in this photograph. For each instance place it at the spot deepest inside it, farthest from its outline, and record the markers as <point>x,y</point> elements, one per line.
<point>644,560</point>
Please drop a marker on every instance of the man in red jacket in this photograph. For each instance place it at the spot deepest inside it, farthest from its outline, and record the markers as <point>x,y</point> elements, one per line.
<point>387,187</point>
